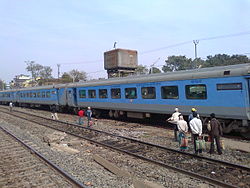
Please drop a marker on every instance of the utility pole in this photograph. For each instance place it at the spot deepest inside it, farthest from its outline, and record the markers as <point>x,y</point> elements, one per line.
<point>195,47</point>
<point>195,52</point>
<point>58,70</point>
<point>152,66</point>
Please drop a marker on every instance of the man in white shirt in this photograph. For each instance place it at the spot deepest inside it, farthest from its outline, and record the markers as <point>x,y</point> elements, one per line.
<point>173,120</point>
<point>196,129</point>
<point>11,106</point>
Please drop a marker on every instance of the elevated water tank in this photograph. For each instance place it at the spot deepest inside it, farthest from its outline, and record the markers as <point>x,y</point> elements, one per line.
<point>119,59</point>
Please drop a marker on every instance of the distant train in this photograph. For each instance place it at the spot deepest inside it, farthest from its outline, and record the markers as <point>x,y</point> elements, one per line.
<point>224,91</point>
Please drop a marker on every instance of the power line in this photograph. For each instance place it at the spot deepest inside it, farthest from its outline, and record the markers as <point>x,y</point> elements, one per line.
<point>163,48</point>
<point>170,46</point>
<point>226,36</point>
<point>83,62</point>
<point>96,72</point>
<point>201,39</point>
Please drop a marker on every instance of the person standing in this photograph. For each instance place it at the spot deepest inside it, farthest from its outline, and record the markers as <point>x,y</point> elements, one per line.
<point>183,129</point>
<point>173,121</point>
<point>89,116</point>
<point>11,106</point>
<point>215,133</point>
<point>191,116</point>
<point>54,112</point>
<point>81,115</point>
<point>196,129</point>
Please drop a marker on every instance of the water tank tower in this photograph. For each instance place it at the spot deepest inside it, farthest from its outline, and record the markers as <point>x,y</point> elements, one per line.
<point>121,62</point>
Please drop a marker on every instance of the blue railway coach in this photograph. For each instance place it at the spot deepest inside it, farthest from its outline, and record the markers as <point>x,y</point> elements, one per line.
<point>221,90</point>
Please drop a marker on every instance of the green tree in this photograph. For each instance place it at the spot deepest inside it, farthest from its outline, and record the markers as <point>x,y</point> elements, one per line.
<point>141,69</point>
<point>175,63</point>
<point>66,78</point>
<point>224,59</point>
<point>154,70</point>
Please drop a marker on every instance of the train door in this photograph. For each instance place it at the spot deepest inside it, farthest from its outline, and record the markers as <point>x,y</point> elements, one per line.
<point>248,84</point>
<point>18,96</point>
<point>57,95</point>
<point>71,97</point>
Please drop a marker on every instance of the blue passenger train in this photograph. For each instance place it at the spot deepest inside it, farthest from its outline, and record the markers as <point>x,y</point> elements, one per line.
<point>224,91</point>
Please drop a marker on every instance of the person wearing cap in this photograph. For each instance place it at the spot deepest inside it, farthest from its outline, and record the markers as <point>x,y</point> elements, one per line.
<point>173,120</point>
<point>191,116</point>
<point>215,133</point>
<point>89,116</point>
<point>183,129</point>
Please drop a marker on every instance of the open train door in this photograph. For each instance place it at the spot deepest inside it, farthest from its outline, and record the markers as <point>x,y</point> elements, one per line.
<point>71,97</point>
<point>246,123</point>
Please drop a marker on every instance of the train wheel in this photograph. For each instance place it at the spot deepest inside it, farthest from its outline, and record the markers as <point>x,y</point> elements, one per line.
<point>97,113</point>
<point>116,114</point>
<point>111,114</point>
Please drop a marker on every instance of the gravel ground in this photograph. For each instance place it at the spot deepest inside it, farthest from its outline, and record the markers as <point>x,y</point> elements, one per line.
<point>80,163</point>
<point>156,135</point>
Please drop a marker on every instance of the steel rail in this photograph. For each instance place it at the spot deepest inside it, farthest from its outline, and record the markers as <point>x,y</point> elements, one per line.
<point>61,171</point>
<point>213,181</point>
<point>139,141</point>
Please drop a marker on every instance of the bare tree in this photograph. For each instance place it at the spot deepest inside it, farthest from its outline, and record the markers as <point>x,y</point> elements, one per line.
<point>77,75</point>
<point>46,72</point>
<point>2,85</point>
<point>37,70</point>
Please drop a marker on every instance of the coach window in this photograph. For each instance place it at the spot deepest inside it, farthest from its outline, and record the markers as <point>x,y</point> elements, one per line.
<point>30,95</point>
<point>47,94</point>
<point>34,95</point>
<point>169,92</point>
<point>196,91</point>
<point>43,94</point>
<point>39,94</point>
<point>103,93</point>
<point>229,86</point>
<point>130,93</point>
<point>82,93</point>
<point>116,93</point>
<point>148,93</point>
<point>92,93</point>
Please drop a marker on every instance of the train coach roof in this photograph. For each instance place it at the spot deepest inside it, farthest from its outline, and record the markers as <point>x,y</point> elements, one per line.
<point>211,72</point>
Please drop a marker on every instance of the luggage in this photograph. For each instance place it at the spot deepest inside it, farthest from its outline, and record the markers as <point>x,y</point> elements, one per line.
<point>90,123</point>
<point>184,142</point>
<point>200,144</point>
<point>222,145</point>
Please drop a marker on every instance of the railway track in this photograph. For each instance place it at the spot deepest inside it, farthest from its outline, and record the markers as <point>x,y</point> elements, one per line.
<point>216,172</point>
<point>22,166</point>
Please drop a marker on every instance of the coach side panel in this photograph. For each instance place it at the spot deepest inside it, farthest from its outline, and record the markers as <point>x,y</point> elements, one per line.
<point>222,97</point>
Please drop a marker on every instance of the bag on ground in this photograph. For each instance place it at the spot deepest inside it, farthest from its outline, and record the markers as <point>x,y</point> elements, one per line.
<point>184,142</point>
<point>200,144</point>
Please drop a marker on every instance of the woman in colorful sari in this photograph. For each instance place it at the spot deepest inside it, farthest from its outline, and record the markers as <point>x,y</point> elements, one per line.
<point>183,129</point>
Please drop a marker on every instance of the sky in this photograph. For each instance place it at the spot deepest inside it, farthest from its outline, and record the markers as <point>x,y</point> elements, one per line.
<point>76,33</point>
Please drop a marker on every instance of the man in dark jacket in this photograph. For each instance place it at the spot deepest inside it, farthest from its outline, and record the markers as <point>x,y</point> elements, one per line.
<point>215,133</point>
